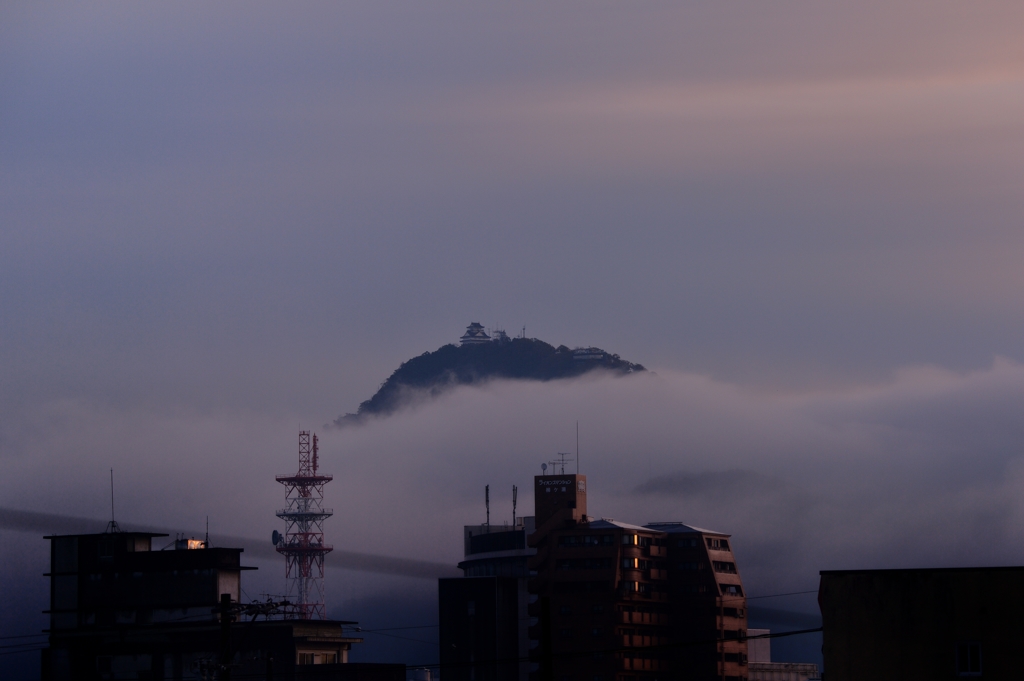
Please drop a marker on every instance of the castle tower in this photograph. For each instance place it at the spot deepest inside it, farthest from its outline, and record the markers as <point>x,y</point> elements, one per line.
<point>475,335</point>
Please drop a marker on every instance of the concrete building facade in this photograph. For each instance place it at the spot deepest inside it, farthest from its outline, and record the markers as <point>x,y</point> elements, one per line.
<point>761,668</point>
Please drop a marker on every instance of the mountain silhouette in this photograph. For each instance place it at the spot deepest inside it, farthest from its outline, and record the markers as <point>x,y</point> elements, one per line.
<point>480,358</point>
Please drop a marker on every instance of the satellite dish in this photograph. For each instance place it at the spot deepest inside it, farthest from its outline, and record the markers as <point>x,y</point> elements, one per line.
<point>276,537</point>
<point>543,468</point>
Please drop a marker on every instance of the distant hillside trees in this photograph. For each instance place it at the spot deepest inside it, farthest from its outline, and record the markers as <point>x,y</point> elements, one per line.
<point>451,365</point>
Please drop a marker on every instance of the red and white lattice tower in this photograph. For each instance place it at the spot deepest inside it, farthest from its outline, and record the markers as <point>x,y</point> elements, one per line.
<point>303,544</point>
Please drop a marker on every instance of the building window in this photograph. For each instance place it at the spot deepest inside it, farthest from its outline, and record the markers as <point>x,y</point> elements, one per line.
<point>596,631</point>
<point>564,610</point>
<point>968,659</point>
<point>587,540</point>
<point>305,658</point>
<point>636,564</point>
<point>692,588</point>
<point>732,589</point>
<point>723,566</point>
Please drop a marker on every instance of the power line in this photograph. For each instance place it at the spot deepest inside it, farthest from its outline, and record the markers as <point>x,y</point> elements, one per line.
<point>406,638</point>
<point>26,650</point>
<point>791,593</point>
<point>422,626</point>
<point>4,638</point>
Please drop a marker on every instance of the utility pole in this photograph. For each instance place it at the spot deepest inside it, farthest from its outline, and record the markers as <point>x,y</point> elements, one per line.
<point>225,636</point>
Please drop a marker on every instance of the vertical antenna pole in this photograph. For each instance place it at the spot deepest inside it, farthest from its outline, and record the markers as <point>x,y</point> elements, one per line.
<point>487,503</point>
<point>514,490</point>
<point>207,532</point>
<point>112,497</point>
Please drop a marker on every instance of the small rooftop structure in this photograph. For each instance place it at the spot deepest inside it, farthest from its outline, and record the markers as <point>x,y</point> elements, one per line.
<point>588,354</point>
<point>475,335</point>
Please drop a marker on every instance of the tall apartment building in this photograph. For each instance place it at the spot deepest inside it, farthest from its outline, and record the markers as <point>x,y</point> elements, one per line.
<point>618,602</point>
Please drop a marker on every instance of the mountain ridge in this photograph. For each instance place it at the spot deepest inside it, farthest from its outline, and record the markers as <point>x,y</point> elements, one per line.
<point>478,360</point>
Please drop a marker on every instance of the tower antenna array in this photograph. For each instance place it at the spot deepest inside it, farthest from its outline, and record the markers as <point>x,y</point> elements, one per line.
<point>563,458</point>
<point>302,544</point>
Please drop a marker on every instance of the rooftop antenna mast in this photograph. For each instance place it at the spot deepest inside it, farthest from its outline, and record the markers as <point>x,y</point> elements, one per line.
<point>487,504</point>
<point>112,526</point>
<point>563,458</point>
<point>515,490</point>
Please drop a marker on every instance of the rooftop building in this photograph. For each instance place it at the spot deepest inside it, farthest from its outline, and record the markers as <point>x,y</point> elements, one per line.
<point>483,615</point>
<point>944,623</point>
<point>761,668</point>
<point>121,610</point>
<point>603,599</point>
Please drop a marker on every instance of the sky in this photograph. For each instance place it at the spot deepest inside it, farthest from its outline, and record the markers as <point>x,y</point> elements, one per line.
<point>222,223</point>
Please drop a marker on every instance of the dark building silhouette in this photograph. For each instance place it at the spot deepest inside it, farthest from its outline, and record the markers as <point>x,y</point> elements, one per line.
<point>947,623</point>
<point>120,610</point>
<point>483,615</point>
<point>607,601</point>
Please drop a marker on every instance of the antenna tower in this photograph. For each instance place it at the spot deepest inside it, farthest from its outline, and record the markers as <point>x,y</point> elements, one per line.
<point>563,458</point>
<point>302,544</point>
<point>112,525</point>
